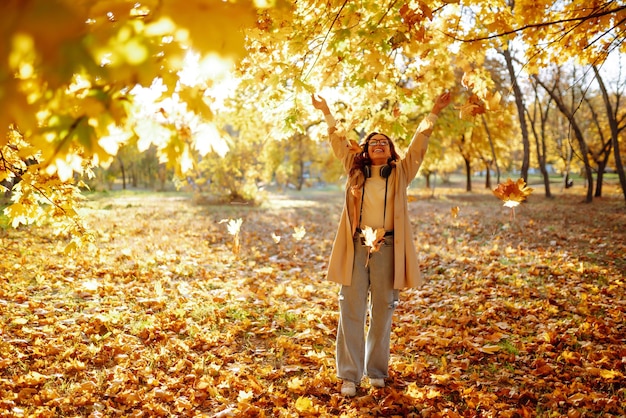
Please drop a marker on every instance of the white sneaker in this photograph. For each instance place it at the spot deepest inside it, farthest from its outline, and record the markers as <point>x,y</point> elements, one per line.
<point>377,383</point>
<point>348,388</point>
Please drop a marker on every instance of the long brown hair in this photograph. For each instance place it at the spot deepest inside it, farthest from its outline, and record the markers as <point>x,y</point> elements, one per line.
<point>363,159</point>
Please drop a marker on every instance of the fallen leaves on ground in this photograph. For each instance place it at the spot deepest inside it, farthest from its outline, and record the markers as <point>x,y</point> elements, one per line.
<point>165,319</point>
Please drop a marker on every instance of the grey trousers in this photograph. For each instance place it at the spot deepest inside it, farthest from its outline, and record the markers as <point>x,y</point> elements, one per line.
<point>357,353</point>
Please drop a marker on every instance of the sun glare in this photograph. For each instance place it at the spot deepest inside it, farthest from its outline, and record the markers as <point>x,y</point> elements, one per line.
<point>211,72</point>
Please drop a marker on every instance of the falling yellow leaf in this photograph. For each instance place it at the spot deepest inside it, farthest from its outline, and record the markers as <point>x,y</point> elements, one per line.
<point>299,233</point>
<point>234,228</point>
<point>493,101</point>
<point>473,107</point>
<point>512,193</point>
<point>233,225</point>
<point>454,211</point>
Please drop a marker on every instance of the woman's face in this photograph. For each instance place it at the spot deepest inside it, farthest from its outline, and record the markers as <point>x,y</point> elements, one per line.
<point>379,149</point>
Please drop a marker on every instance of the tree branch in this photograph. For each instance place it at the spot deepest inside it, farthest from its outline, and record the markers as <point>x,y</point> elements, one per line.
<point>540,25</point>
<point>325,38</point>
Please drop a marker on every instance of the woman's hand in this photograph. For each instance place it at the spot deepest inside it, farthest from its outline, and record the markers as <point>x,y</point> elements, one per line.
<point>442,101</point>
<point>320,103</point>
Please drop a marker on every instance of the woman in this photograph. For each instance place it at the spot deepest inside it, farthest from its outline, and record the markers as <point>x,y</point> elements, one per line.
<point>375,201</point>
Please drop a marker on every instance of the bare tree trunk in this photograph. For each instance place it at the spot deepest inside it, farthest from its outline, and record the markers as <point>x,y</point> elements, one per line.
<point>468,174</point>
<point>468,163</point>
<point>519,102</point>
<point>567,183</point>
<point>301,175</point>
<point>601,158</point>
<point>493,150</point>
<point>123,173</point>
<point>578,133</point>
<point>540,138</point>
<point>615,130</point>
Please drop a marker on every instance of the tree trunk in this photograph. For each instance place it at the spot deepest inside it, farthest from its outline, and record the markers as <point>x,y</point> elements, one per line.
<point>301,176</point>
<point>123,173</point>
<point>519,102</point>
<point>468,174</point>
<point>540,139</point>
<point>577,133</point>
<point>493,151</point>
<point>615,130</point>
<point>541,158</point>
<point>427,177</point>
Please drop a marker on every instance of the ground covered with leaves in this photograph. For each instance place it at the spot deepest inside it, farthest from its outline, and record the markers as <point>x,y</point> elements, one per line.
<point>179,310</point>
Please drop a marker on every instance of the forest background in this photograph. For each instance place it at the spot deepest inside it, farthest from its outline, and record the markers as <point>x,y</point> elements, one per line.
<point>212,99</point>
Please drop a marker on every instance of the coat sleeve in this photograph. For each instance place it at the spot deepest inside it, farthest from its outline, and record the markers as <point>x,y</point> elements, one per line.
<point>342,147</point>
<point>418,146</point>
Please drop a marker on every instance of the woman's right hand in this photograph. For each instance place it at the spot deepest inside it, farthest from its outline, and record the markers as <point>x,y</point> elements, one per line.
<point>320,103</point>
<point>442,101</point>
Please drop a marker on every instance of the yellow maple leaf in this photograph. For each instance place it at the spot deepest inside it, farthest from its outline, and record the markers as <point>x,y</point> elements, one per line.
<point>304,404</point>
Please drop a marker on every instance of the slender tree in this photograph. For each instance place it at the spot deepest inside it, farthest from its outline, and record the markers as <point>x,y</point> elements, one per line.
<point>616,125</point>
<point>538,119</point>
<point>569,113</point>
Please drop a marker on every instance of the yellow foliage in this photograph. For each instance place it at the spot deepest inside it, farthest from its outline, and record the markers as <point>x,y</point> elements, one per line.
<point>220,29</point>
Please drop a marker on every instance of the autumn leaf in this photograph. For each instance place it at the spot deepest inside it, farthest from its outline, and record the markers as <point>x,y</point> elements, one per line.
<point>492,101</point>
<point>471,108</point>
<point>512,193</point>
<point>489,349</point>
<point>304,404</point>
<point>373,238</point>
<point>298,233</point>
<point>201,330</point>
<point>234,228</point>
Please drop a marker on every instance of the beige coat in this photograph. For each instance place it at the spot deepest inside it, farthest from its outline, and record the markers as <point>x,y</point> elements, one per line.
<point>406,264</point>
